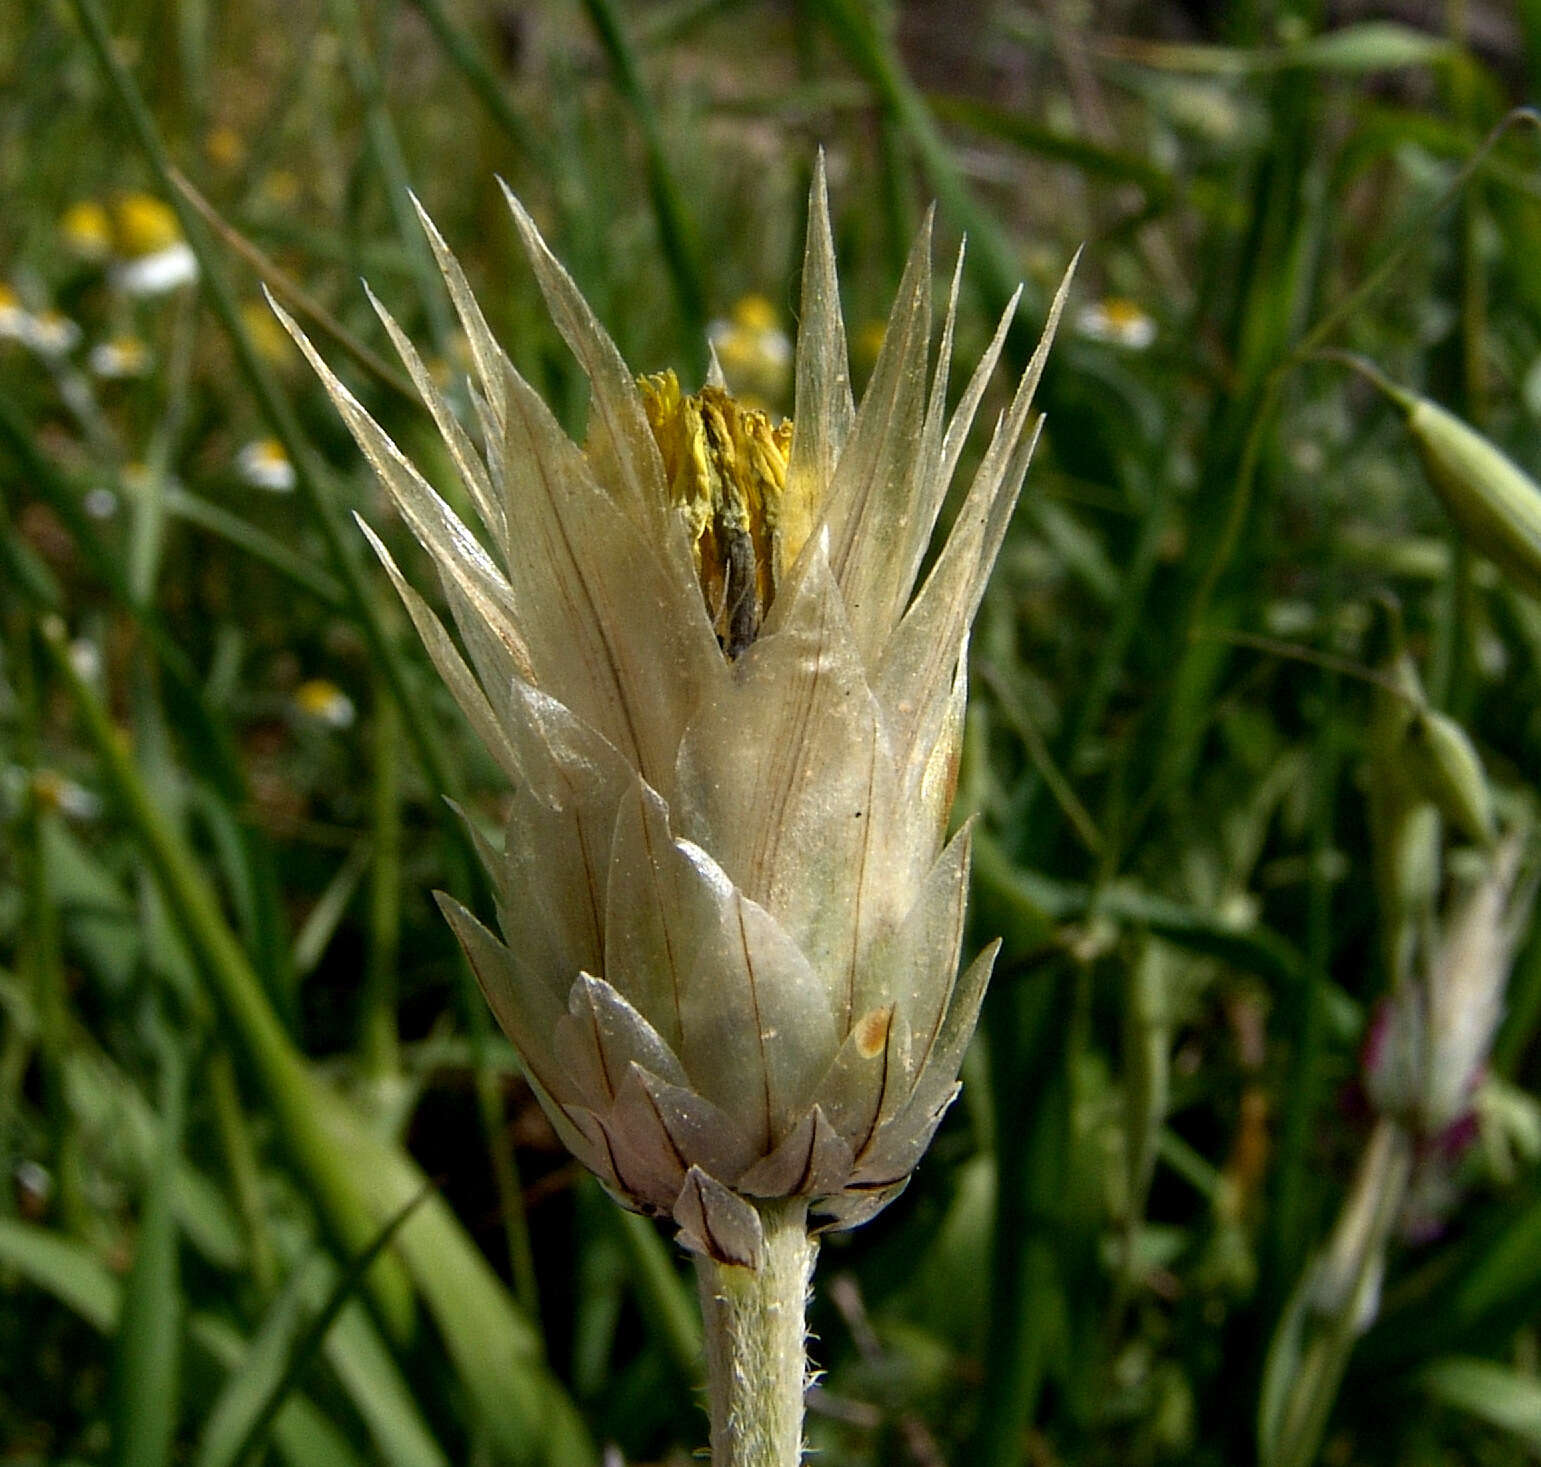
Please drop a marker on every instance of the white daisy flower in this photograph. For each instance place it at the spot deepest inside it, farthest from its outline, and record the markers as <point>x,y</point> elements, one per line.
<point>263,464</point>
<point>1117,321</point>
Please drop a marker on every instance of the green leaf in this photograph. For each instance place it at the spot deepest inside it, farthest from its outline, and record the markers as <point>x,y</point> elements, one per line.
<point>1491,1392</point>
<point>147,1352</point>
<point>63,1268</point>
<point>84,1285</point>
<point>1375,45</point>
<point>317,1309</point>
<point>300,1323</point>
<point>251,1383</point>
<point>356,1179</point>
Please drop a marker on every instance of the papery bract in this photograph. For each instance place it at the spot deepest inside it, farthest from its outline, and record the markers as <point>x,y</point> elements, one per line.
<point>730,923</point>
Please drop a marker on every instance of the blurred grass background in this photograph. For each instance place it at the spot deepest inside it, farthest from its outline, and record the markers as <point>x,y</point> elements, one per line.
<point>237,1038</point>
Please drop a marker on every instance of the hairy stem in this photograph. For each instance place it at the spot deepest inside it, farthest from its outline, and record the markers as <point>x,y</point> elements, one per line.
<point>755,1344</point>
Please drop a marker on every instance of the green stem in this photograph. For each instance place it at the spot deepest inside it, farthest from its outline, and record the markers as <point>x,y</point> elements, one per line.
<point>676,227</point>
<point>756,1354</point>
<point>243,1168</point>
<point>382,1059</point>
<point>483,81</point>
<point>384,143</point>
<point>293,1095</point>
<point>1346,1274</point>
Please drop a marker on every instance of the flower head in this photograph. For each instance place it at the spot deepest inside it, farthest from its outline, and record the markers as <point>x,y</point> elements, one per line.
<point>153,258</point>
<point>53,334</point>
<point>1118,321</point>
<point>87,230</point>
<point>15,321</point>
<point>754,351</point>
<point>120,356</point>
<point>731,921</point>
<point>325,702</point>
<point>263,464</point>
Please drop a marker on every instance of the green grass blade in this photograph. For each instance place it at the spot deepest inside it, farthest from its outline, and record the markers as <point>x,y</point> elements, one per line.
<point>255,542</point>
<point>379,1392</point>
<point>308,476</point>
<point>874,56</point>
<point>1493,1393</point>
<point>250,1383</point>
<point>70,1273</point>
<point>1029,1068</point>
<point>665,1300</point>
<point>283,1350</point>
<point>298,300</point>
<point>391,164</point>
<point>147,1351</point>
<point>39,473</point>
<point>239,991</point>
<point>324,917</point>
<point>356,1180</point>
<point>303,1435</point>
<point>379,1035</point>
<point>1091,158</point>
<point>483,81</point>
<point>67,1270</point>
<point>676,229</point>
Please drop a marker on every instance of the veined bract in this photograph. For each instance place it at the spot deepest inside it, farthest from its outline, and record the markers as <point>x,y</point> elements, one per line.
<point>731,921</point>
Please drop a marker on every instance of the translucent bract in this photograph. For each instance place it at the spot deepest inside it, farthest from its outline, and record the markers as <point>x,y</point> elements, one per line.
<point>731,923</point>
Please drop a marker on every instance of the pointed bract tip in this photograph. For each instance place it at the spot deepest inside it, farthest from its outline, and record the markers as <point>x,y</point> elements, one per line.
<point>422,213</point>
<point>522,216</point>
<point>818,192</point>
<point>300,339</point>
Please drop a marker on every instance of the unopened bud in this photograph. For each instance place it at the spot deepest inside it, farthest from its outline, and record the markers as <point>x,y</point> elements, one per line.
<point>1447,771</point>
<point>1467,974</point>
<point>1496,506</point>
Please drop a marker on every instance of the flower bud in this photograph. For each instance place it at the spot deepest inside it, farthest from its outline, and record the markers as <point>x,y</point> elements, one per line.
<point>1431,1038</point>
<point>1496,506</point>
<point>731,721</point>
<point>1445,769</point>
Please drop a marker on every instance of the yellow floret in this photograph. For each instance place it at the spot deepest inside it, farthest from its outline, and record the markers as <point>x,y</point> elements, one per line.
<point>87,230</point>
<point>726,467</point>
<point>755,313</point>
<point>143,225</point>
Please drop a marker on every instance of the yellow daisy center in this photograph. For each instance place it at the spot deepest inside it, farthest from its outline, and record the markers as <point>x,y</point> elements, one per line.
<point>143,225</point>
<point>1121,314</point>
